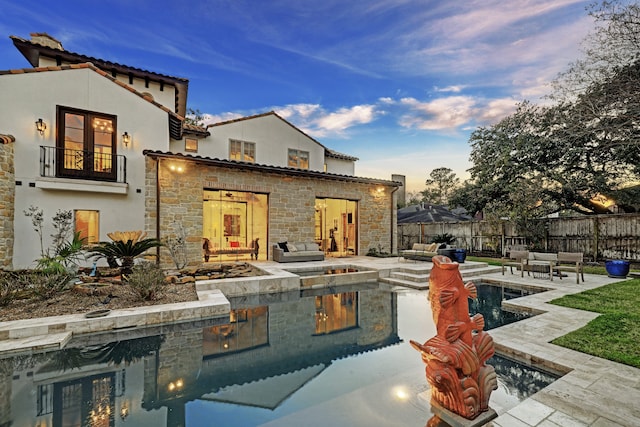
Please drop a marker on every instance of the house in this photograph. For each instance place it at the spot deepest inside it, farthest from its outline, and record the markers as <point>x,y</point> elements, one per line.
<point>109,142</point>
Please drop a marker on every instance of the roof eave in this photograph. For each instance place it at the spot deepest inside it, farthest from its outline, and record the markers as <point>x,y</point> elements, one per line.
<point>272,169</point>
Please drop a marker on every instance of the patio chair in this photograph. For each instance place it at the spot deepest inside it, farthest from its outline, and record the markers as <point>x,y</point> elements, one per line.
<point>515,259</point>
<point>570,261</point>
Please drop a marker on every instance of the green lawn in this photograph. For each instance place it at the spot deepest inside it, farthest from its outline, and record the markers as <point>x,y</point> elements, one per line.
<point>615,335</point>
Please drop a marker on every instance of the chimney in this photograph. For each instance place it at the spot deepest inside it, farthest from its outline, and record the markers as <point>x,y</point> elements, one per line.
<point>45,39</point>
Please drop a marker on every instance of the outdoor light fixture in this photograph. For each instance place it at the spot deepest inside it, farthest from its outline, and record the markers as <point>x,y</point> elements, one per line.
<point>41,126</point>
<point>126,138</point>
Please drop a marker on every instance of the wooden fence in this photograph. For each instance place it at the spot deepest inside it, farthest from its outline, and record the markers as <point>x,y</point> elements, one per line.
<point>598,237</point>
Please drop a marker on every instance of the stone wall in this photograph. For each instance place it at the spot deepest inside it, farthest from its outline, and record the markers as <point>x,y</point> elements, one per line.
<point>291,203</point>
<point>7,199</point>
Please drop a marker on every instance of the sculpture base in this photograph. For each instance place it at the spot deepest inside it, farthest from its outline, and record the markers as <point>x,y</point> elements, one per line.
<point>455,420</point>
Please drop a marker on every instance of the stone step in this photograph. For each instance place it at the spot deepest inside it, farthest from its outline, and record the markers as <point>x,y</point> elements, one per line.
<point>421,281</point>
<point>410,276</point>
<point>405,283</point>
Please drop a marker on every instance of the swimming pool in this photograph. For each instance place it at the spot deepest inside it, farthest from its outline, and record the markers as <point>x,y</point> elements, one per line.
<point>333,356</point>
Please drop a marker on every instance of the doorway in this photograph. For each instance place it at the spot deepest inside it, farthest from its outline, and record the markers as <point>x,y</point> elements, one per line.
<point>336,227</point>
<point>234,225</point>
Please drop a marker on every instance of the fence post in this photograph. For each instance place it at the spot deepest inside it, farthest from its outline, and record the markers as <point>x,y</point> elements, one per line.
<point>596,237</point>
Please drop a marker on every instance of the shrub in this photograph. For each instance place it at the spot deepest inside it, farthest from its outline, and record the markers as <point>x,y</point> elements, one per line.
<point>46,285</point>
<point>146,281</point>
<point>9,288</point>
<point>35,283</point>
<point>444,238</point>
<point>126,246</point>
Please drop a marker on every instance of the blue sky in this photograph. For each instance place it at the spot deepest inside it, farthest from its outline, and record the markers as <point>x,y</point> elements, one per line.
<point>400,84</point>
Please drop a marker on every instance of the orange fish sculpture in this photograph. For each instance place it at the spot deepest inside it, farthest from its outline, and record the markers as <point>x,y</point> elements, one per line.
<point>455,358</point>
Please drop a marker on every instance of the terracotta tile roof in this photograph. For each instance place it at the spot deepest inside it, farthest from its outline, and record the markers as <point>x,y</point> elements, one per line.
<point>6,139</point>
<point>328,152</point>
<point>32,52</point>
<point>331,153</point>
<point>195,129</point>
<point>175,120</point>
<point>267,168</point>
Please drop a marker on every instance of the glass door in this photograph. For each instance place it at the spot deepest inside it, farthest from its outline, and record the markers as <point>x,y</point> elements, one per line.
<point>234,225</point>
<point>336,228</point>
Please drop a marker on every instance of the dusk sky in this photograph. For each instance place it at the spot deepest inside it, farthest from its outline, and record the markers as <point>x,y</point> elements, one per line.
<point>399,84</point>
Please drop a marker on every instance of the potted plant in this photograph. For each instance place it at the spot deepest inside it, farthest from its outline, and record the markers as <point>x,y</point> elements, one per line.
<point>447,240</point>
<point>617,268</point>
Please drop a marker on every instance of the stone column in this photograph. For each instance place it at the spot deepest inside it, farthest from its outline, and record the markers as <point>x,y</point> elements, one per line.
<point>7,200</point>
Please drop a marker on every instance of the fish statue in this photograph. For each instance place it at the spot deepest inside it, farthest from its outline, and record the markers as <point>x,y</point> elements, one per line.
<point>456,357</point>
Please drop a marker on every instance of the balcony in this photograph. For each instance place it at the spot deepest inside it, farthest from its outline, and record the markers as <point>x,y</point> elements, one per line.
<point>77,170</point>
<point>57,162</point>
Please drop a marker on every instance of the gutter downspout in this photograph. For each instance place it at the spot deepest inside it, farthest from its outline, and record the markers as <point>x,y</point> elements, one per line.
<point>392,220</point>
<point>158,209</point>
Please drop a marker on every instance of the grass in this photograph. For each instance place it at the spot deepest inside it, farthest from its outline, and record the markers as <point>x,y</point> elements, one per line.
<point>615,335</point>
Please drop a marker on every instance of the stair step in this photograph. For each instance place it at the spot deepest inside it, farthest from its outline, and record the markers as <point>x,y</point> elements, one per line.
<point>421,281</point>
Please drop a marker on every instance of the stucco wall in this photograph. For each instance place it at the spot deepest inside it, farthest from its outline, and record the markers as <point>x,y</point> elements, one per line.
<point>291,203</point>
<point>272,136</point>
<point>27,97</point>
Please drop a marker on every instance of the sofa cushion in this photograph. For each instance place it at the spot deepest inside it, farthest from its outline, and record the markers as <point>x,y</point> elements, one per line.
<point>313,246</point>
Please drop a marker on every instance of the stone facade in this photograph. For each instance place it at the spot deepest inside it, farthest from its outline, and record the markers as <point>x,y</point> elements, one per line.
<point>7,200</point>
<point>291,201</point>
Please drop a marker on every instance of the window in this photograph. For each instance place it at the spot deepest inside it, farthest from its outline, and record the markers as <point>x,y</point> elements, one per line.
<point>242,150</point>
<point>86,144</point>
<point>298,159</point>
<point>191,145</point>
<point>86,222</point>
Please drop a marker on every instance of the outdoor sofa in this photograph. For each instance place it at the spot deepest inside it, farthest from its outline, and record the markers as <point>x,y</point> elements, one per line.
<point>297,252</point>
<point>545,264</point>
<point>421,251</point>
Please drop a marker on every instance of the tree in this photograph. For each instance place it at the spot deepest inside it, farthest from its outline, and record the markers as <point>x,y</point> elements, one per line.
<point>440,185</point>
<point>194,117</point>
<point>584,146</point>
<point>614,43</point>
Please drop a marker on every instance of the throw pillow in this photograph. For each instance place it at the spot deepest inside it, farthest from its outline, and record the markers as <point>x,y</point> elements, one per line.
<point>291,247</point>
<point>283,246</point>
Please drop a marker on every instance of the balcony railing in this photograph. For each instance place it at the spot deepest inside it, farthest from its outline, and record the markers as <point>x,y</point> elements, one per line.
<point>81,164</point>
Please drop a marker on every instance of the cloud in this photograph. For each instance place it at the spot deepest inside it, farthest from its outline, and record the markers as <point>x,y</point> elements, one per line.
<point>454,113</point>
<point>345,118</point>
<point>455,89</point>
<point>443,113</point>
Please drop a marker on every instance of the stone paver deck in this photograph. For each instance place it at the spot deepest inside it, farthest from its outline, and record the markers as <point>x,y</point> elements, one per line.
<point>592,392</point>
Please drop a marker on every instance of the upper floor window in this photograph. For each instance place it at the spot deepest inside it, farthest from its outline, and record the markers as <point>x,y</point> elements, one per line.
<point>298,159</point>
<point>86,144</point>
<point>242,150</point>
<point>191,145</point>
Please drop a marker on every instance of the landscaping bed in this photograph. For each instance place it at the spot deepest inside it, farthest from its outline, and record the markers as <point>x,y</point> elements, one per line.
<point>106,290</point>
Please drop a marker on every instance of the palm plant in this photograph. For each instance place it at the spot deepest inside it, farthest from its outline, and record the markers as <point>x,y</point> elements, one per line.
<point>126,246</point>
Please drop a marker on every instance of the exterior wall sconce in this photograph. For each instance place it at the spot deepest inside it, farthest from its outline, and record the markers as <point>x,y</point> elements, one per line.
<point>41,126</point>
<point>126,139</point>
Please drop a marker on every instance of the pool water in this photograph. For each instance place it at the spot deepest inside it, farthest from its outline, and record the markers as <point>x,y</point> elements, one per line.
<point>489,302</point>
<point>338,356</point>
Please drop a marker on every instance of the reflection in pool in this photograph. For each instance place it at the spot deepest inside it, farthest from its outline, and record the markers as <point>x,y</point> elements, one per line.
<point>337,356</point>
<point>489,304</point>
